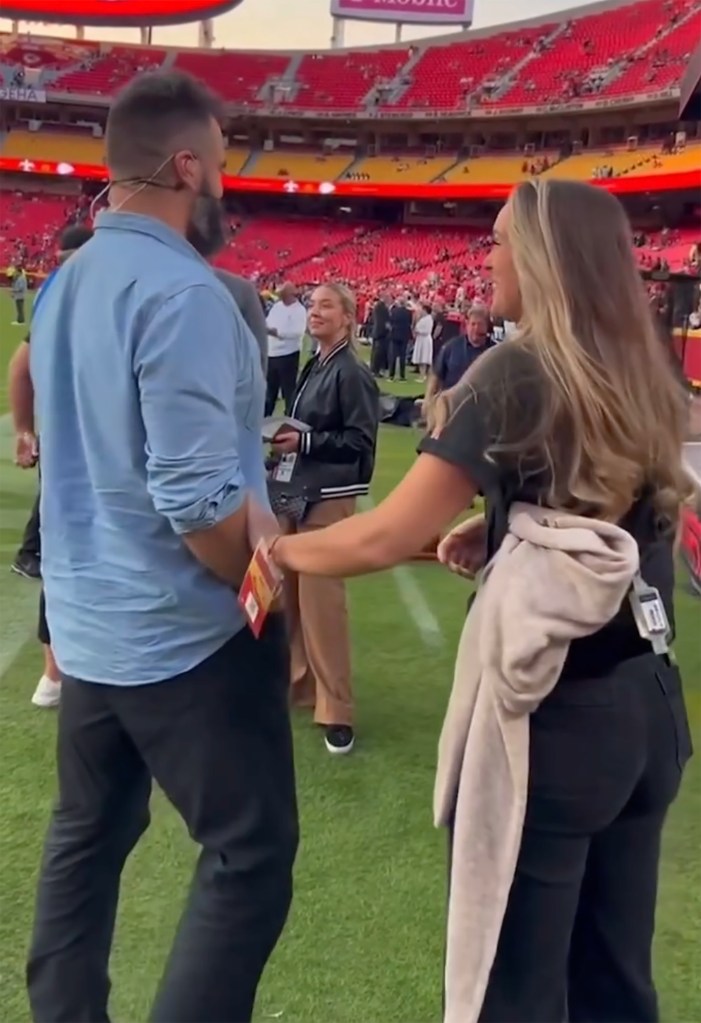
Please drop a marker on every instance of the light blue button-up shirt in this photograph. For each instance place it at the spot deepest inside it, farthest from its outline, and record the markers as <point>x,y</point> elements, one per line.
<point>149,394</point>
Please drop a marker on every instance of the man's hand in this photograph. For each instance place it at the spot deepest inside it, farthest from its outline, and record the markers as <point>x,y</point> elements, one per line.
<point>273,332</point>
<point>286,443</point>
<point>464,549</point>
<point>262,525</point>
<point>26,450</point>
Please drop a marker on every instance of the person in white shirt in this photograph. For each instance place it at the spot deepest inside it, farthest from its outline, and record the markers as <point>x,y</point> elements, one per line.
<point>287,324</point>
<point>422,356</point>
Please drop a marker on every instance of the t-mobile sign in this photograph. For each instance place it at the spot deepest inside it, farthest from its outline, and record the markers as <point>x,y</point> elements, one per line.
<point>425,12</point>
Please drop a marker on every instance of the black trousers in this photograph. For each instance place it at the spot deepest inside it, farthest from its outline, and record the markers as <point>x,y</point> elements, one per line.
<point>43,634</point>
<point>379,354</point>
<point>19,307</point>
<point>217,740</point>
<point>397,354</point>
<point>606,761</point>
<point>282,377</point>
<point>31,538</point>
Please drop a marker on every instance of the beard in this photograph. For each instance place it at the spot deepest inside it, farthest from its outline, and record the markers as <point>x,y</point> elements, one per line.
<point>208,231</point>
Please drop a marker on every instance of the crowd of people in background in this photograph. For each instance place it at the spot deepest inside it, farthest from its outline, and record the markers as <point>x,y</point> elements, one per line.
<point>554,798</point>
<point>452,277</point>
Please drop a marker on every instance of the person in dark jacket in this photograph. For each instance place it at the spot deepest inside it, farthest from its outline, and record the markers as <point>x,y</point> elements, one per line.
<point>333,464</point>
<point>401,321</point>
<point>379,357</point>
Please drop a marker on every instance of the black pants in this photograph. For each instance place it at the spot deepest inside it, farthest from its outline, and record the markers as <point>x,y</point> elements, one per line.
<point>31,539</point>
<point>43,634</point>
<point>379,355</point>
<point>397,353</point>
<point>282,377</point>
<point>606,763</point>
<point>217,740</point>
<point>19,307</point>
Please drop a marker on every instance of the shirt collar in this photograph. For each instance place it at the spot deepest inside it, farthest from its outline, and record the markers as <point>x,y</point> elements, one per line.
<point>473,348</point>
<point>334,351</point>
<point>137,223</point>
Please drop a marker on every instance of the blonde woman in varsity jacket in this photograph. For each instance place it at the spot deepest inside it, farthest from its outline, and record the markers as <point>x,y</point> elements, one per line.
<point>333,464</point>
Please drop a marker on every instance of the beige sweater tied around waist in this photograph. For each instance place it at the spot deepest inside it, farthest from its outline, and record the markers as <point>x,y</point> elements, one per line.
<point>556,577</point>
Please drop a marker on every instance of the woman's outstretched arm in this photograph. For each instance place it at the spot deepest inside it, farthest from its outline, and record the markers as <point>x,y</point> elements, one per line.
<point>427,500</point>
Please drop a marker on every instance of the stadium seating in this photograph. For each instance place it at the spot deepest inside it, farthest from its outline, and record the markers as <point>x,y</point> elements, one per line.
<point>404,170</point>
<point>647,160</point>
<point>662,66</point>
<point>310,250</point>
<point>445,74</point>
<point>52,144</point>
<point>491,169</point>
<point>341,81</point>
<point>674,247</point>
<point>588,54</point>
<point>44,55</point>
<point>236,157</point>
<point>271,245</point>
<point>74,147</point>
<point>29,224</point>
<point>237,77</point>
<point>112,70</point>
<point>587,44</point>
<point>299,166</point>
<point>405,254</point>
<point>585,165</point>
<point>686,159</point>
<point>630,49</point>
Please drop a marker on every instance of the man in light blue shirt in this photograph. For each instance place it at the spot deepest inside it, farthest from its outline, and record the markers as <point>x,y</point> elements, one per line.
<point>149,395</point>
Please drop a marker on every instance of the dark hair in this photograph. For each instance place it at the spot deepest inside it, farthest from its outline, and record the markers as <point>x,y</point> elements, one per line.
<point>74,237</point>
<point>150,117</point>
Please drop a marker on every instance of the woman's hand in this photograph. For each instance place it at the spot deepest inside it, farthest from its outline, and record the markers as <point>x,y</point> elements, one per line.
<point>464,549</point>
<point>286,443</point>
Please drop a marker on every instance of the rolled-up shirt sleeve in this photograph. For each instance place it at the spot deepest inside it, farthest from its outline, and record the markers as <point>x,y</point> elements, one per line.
<point>186,366</point>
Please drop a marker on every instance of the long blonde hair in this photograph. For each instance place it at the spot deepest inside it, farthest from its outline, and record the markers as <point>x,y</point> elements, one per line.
<point>613,417</point>
<point>349,305</point>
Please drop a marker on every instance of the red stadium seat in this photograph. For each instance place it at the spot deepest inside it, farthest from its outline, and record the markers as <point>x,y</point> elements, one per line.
<point>635,48</point>
<point>29,225</point>
<point>237,77</point>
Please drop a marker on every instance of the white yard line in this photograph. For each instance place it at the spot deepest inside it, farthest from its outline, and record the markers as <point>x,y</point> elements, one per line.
<point>413,598</point>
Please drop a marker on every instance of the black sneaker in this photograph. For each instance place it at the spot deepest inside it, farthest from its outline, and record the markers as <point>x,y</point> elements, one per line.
<point>26,565</point>
<point>339,739</point>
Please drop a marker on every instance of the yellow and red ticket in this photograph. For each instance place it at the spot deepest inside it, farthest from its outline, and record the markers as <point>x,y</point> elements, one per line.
<point>260,589</point>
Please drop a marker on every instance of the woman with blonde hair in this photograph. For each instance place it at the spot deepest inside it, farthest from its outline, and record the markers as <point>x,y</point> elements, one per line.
<point>578,413</point>
<point>328,468</point>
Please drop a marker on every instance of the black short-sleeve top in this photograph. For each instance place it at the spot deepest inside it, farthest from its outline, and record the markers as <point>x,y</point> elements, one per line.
<point>504,405</point>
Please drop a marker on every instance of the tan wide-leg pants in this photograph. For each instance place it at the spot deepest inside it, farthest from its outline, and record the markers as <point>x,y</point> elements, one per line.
<point>318,627</point>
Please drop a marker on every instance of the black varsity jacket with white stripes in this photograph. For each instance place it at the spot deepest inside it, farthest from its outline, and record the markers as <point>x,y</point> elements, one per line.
<point>339,399</point>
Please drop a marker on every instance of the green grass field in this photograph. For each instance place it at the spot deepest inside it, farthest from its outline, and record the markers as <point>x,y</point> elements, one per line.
<point>364,940</point>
